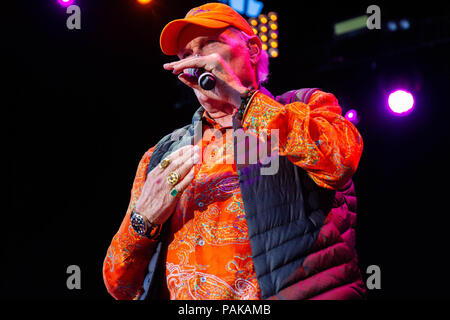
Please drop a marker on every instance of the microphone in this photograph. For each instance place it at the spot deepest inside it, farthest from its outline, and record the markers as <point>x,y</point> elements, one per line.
<point>206,80</point>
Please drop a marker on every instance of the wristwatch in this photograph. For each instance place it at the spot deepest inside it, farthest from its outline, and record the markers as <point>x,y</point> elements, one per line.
<point>143,227</point>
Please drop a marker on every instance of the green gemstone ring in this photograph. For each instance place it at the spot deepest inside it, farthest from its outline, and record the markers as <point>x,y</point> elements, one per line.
<point>174,192</point>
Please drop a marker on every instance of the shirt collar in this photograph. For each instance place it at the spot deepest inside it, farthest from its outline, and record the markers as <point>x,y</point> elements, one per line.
<point>213,122</point>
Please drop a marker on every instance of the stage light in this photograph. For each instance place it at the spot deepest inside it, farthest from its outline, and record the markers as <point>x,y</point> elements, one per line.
<point>273,25</point>
<point>253,8</point>
<point>273,52</point>
<point>350,25</point>
<point>273,16</point>
<point>392,26</point>
<point>263,18</point>
<point>273,34</point>
<point>144,1</point>
<point>401,102</point>
<point>253,22</point>
<point>263,37</point>
<point>250,8</point>
<point>266,28</point>
<point>66,3</point>
<point>404,24</point>
<point>352,116</point>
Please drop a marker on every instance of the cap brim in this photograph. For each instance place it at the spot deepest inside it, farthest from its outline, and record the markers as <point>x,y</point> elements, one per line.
<point>169,36</point>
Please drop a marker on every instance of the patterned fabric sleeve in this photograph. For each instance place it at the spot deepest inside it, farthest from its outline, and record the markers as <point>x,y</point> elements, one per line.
<point>314,136</point>
<point>128,255</point>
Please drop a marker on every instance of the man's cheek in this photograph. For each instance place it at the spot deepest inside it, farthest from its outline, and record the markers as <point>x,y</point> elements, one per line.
<point>200,96</point>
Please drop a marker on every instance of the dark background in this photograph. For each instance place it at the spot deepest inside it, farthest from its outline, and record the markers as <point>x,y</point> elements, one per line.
<point>80,108</point>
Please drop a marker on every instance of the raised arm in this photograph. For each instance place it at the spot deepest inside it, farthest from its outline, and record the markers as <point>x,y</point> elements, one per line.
<point>314,136</point>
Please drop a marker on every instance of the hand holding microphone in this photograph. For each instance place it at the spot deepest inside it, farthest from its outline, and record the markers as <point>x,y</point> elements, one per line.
<point>206,80</point>
<point>212,75</point>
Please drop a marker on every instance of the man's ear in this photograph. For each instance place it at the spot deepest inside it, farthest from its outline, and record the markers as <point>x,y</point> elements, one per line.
<point>254,46</point>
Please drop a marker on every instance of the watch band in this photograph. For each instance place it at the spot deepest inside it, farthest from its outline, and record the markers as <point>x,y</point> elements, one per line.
<point>153,230</point>
<point>143,227</point>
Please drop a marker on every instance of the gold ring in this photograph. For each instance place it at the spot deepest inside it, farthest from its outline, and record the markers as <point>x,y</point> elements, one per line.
<point>164,163</point>
<point>172,178</point>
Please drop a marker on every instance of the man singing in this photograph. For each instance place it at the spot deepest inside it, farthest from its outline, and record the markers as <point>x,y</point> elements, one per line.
<point>201,224</point>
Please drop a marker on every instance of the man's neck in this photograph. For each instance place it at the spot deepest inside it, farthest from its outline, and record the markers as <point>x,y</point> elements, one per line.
<point>223,113</point>
<point>224,117</point>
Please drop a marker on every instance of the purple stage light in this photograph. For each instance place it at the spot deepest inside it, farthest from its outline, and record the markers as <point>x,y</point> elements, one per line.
<point>401,102</point>
<point>352,116</point>
<point>66,3</point>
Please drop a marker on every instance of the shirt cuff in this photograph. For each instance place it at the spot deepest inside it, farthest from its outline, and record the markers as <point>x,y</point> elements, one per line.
<point>260,111</point>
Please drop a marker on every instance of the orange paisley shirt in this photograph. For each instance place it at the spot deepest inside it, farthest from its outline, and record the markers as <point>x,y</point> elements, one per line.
<point>209,254</point>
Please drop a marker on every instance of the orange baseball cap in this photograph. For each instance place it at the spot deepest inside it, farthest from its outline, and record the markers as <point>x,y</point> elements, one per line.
<point>210,15</point>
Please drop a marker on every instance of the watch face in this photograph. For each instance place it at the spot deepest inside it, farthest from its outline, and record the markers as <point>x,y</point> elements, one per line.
<point>138,224</point>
